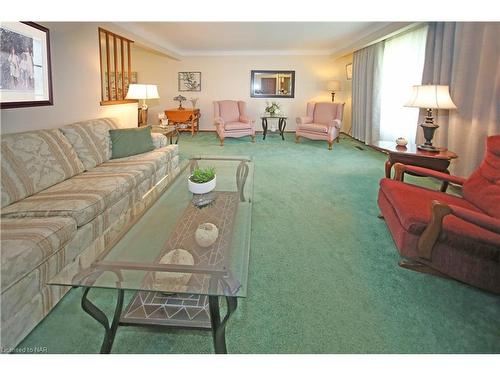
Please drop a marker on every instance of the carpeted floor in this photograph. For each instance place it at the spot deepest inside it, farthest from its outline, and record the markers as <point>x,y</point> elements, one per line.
<point>323,272</point>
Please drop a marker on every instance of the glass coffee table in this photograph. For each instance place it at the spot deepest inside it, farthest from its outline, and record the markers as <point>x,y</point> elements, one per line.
<point>185,254</point>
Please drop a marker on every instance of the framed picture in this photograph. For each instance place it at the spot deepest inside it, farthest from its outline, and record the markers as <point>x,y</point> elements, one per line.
<point>189,81</point>
<point>25,75</point>
<point>348,71</point>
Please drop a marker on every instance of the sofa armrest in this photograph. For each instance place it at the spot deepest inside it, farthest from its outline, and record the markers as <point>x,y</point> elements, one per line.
<point>400,169</point>
<point>440,210</point>
<point>159,140</point>
<point>304,120</point>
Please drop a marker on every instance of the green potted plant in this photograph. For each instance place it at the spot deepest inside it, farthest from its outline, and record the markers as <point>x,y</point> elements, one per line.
<point>202,180</point>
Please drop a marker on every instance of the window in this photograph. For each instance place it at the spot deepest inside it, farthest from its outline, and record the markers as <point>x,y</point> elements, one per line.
<point>116,67</point>
<point>403,63</point>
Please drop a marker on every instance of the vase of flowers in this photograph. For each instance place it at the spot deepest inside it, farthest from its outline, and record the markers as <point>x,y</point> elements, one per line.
<point>202,180</point>
<point>273,109</point>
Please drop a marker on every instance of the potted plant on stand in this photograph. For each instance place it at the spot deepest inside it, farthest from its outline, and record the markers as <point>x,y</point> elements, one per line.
<point>202,180</point>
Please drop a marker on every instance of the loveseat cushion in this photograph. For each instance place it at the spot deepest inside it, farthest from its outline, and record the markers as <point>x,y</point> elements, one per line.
<point>33,161</point>
<point>91,140</point>
<point>27,243</point>
<point>88,194</point>
<point>153,160</point>
<point>82,197</point>
<point>311,127</point>
<point>236,125</point>
<point>412,205</point>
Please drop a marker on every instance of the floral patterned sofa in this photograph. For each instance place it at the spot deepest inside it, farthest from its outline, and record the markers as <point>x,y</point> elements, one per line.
<point>63,202</point>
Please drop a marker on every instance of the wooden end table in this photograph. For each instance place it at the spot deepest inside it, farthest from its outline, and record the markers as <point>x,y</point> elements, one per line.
<point>168,131</point>
<point>411,155</point>
<point>186,119</point>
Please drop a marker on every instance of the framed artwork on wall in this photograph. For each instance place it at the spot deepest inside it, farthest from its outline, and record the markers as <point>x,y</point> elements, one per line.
<point>25,72</point>
<point>348,71</point>
<point>189,81</point>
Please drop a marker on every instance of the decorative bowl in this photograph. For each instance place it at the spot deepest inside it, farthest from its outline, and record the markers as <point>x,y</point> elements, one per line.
<point>401,141</point>
<point>206,234</point>
<point>174,279</point>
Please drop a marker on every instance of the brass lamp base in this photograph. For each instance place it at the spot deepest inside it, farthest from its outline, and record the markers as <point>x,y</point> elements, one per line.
<point>142,116</point>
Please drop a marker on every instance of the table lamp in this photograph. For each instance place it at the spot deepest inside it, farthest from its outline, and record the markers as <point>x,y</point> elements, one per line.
<point>430,97</point>
<point>333,86</point>
<point>144,92</point>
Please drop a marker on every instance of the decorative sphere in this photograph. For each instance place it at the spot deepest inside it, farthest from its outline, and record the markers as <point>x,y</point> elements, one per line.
<point>175,280</point>
<point>206,234</point>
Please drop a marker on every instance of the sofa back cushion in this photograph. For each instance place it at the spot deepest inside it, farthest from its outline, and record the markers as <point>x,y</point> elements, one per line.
<point>228,110</point>
<point>326,112</point>
<point>482,188</point>
<point>33,161</point>
<point>91,140</point>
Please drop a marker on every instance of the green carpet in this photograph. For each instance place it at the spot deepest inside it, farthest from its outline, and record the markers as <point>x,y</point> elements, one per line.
<point>323,272</point>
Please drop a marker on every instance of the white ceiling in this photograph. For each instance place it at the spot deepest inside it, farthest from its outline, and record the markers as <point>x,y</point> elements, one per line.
<point>207,38</point>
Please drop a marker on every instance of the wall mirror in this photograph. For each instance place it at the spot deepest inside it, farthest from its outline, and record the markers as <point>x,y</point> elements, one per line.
<point>116,67</point>
<point>272,84</point>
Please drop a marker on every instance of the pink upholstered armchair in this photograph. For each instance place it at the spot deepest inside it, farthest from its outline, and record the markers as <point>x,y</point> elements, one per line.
<point>323,122</point>
<point>231,120</point>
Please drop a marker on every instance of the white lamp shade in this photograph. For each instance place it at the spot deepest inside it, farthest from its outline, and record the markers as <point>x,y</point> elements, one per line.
<point>142,91</point>
<point>431,96</point>
<point>333,86</point>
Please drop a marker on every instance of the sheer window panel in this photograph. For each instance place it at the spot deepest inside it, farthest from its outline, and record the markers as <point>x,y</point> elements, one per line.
<point>402,68</point>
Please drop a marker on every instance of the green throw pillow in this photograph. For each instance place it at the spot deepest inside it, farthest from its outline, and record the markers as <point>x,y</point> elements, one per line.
<point>130,141</point>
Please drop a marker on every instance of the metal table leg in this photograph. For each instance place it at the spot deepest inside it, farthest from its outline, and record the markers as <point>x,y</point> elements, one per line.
<point>282,126</point>
<point>264,126</point>
<point>100,316</point>
<point>218,326</point>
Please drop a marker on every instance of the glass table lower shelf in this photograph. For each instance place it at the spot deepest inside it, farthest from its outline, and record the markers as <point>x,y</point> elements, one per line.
<point>180,258</point>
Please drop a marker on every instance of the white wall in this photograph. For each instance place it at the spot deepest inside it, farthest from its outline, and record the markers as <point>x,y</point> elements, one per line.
<point>76,84</point>
<point>228,77</point>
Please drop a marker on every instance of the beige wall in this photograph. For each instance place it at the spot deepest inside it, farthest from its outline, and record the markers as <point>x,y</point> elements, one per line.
<point>228,77</point>
<point>345,94</point>
<point>76,84</point>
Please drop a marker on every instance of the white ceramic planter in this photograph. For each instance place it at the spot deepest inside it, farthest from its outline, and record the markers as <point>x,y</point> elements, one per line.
<point>201,188</point>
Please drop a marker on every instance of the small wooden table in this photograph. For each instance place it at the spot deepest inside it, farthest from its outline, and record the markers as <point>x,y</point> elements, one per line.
<point>168,131</point>
<point>186,119</point>
<point>281,124</point>
<point>411,155</point>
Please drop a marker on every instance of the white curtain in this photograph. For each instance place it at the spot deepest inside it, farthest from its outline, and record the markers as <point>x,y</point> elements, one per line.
<point>466,56</point>
<point>402,68</point>
<point>366,77</point>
